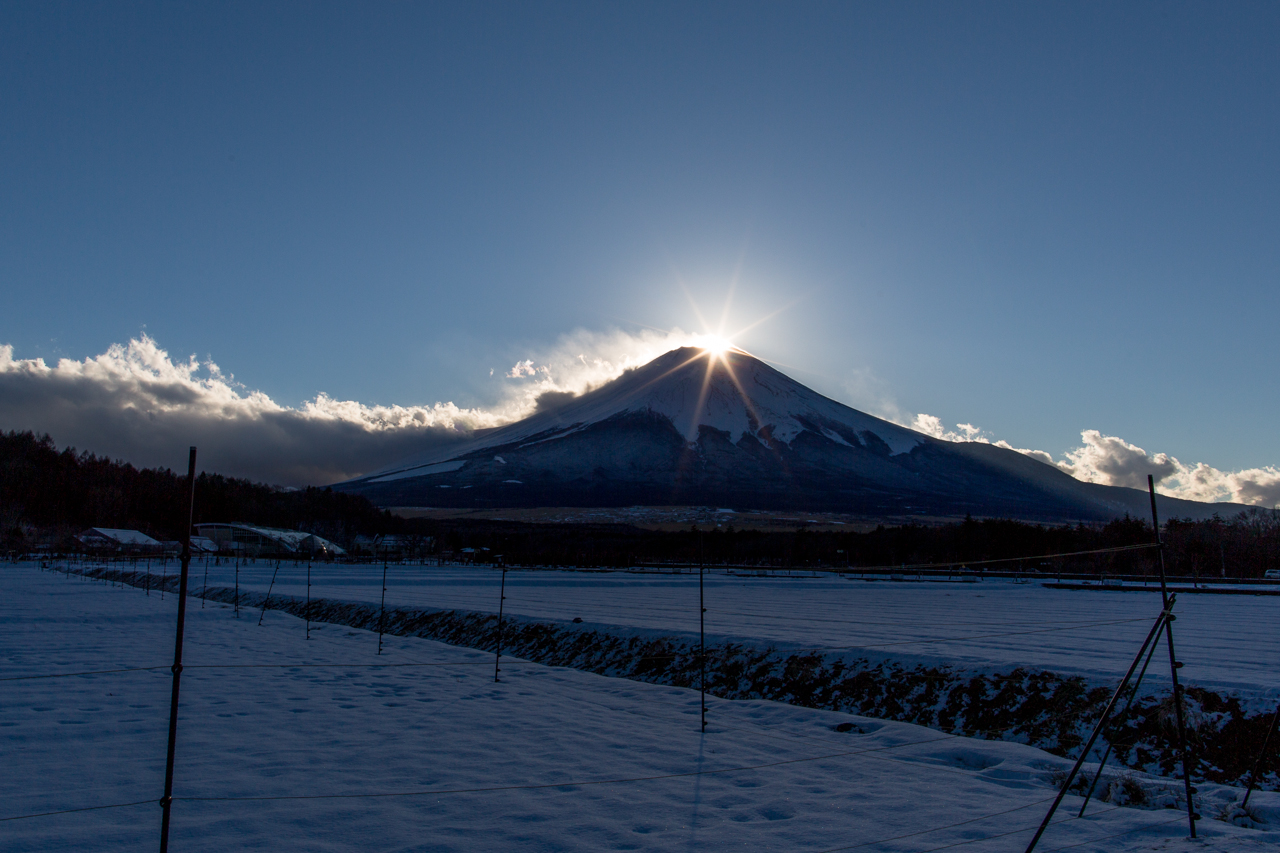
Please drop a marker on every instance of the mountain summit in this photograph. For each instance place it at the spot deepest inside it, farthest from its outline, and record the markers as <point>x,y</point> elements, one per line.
<point>701,427</point>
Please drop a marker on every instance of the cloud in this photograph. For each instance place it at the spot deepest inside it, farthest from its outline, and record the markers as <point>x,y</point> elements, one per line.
<point>1112,461</point>
<point>580,361</point>
<point>549,401</point>
<point>521,368</point>
<point>1257,486</point>
<point>137,403</point>
<point>932,425</point>
<point>1115,462</point>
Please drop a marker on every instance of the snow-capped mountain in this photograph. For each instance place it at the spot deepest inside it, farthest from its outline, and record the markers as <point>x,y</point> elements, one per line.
<point>698,427</point>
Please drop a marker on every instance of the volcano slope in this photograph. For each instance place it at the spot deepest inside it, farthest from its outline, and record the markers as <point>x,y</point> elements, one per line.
<point>695,427</point>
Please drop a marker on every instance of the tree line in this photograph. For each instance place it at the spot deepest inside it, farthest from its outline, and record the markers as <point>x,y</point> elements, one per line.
<point>48,495</point>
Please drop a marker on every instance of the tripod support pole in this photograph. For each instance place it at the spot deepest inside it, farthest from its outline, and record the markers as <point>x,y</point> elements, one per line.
<point>1153,636</point>
<point>1174,666</point>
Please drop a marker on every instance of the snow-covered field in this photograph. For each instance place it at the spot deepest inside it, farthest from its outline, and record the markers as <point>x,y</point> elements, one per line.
<point>428,753</point>
<point>1228,642</point>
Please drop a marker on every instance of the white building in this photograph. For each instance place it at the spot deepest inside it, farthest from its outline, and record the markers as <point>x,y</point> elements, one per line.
<point>253,541</point>
<point>116,539</point>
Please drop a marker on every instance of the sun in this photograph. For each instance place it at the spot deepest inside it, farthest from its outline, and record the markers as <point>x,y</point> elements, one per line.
<point>715,344</point>
<point>716,340</point>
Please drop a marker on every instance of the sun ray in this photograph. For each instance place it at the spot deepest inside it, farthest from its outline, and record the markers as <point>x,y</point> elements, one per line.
<point>697,312</point>
<point>702,396</point>
<point>728,304</point>
<point>636,323</point>
<point>766,318</point>
<point>717,348</point>
<point>773,363</point>
<point>679,366</point>
<point>742,392</point>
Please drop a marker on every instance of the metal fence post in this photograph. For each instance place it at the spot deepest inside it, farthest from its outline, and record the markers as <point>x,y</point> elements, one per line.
<point>382,608</point>
<point>166,802</point>
<point>502,596</point>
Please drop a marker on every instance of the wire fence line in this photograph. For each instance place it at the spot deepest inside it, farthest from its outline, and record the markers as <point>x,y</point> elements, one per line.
<point>1047,625</point>
<point>86,672</point>
<point>871,752</point>
<point>187,666</point>
<point>1051,627</point>
<point>150,802</point>
<point>688,568</point>
<point>852,623</point>
<point>724,653</point>
<point>713,654</point>
<point>1116,549</point>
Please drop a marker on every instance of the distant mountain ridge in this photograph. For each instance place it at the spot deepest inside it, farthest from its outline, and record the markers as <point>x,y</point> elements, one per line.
<point>698,427</point>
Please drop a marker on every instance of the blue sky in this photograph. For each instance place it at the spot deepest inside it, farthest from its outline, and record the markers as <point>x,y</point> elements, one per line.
<point>1035,218</point>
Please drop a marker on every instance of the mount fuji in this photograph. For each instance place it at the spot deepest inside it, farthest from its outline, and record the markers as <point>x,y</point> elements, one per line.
<point>700,427</point>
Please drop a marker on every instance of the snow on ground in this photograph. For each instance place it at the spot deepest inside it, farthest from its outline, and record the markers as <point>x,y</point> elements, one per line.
<point>548,759</point>
<point>1228,642</point>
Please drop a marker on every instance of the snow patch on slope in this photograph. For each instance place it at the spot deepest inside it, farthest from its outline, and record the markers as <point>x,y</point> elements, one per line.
<point>734,393</point>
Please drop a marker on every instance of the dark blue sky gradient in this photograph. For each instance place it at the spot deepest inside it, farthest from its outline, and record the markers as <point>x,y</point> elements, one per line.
<point>1038,218</point>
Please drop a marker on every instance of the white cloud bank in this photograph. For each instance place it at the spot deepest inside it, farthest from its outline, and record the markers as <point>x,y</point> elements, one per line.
<point>137,403</point>
<point>1113,461</point>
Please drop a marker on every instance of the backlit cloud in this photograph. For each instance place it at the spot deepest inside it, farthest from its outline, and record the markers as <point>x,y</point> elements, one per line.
<point>582,360</point>
<point>1115,462</point>
<point>137,403</point>
<point>1112,461</point>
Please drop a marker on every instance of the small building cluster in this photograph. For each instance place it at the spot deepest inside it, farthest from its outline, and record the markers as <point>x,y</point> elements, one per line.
<point>250,540</point>
<point>392,546</point>
<point>245,540</point>
<point>114,540</point>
